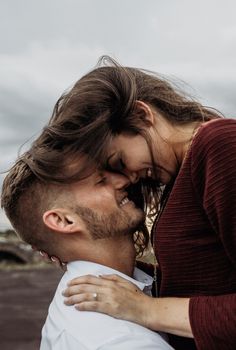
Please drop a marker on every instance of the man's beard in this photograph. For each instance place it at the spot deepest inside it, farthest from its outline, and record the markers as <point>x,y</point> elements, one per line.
<point>118,223</point>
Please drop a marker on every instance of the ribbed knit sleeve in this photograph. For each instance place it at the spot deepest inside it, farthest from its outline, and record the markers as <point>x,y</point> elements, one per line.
<point>213,322</point>
<point>213,156</point>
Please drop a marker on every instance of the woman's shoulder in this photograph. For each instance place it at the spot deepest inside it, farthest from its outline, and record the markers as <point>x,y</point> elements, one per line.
<point>215,132</point>
<point>212,158</point>
<point>218,126</point>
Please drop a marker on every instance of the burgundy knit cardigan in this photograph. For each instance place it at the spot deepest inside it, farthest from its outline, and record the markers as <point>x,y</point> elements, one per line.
<point>195,238</point>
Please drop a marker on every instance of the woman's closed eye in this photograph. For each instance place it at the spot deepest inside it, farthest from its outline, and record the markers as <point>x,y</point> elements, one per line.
<point>117,165</point>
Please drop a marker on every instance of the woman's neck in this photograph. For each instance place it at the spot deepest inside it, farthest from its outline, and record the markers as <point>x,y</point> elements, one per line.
<point>181,137</point>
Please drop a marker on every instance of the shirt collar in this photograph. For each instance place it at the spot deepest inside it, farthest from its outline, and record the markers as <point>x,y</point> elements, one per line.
<point>78,268</point>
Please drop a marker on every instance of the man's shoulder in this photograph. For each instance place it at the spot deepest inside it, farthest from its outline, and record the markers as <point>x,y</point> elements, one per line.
<point>95,330</point>
<point>120,341</point>
<point>90,328</point>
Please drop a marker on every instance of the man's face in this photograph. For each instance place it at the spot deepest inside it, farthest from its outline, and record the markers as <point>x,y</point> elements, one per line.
<point>102,202</point>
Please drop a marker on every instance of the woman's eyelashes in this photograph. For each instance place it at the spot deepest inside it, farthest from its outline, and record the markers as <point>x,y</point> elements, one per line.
<point>118,165</point>
<point>115,164</point>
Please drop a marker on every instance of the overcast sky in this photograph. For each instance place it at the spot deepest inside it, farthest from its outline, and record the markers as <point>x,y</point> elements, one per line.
<point>46,45</point>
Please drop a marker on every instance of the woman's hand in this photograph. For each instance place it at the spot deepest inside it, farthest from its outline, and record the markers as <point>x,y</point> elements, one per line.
<point>109,294</point>
<point>51,259</point>
<point>115,296</point>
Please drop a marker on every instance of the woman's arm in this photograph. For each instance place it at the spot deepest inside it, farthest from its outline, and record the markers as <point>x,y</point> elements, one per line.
<point>119,298</point>
<point>213,320</point>
<point>213,317</point>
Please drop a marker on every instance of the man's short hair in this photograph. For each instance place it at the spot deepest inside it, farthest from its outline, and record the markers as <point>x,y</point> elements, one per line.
<point>25,198</point>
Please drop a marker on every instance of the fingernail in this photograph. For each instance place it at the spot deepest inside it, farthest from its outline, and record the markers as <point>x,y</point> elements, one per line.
<point>41,253</point>
<point>53,259</point>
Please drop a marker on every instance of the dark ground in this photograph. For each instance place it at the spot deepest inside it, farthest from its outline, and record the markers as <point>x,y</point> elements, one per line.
<point>24,299</point>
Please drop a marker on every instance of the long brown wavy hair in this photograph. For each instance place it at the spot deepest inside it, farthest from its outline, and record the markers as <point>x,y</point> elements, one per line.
<point>101,105</point>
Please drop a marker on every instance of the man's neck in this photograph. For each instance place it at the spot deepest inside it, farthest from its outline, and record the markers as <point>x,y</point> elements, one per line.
<point>117,253</point>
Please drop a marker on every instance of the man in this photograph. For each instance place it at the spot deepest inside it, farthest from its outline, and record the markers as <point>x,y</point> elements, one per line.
<point>90,223</point>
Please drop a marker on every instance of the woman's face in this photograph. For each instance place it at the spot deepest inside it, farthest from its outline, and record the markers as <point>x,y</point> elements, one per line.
<point>130,155</point>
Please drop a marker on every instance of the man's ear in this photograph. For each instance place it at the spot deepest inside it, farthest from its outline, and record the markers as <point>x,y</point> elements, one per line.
<point>146,111</point>
<point>60,220</point>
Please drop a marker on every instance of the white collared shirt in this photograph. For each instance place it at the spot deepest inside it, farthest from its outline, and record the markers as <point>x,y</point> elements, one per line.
<point>66,328</point>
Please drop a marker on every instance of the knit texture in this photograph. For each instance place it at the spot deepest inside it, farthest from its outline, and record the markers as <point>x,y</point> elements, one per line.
<point>195,238</point>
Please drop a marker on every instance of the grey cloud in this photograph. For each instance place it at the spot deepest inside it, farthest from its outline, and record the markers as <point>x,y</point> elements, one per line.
<point>221,96</point>
<point>48,45</point>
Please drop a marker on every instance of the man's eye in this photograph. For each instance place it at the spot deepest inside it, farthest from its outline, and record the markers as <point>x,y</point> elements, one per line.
<point>102,180</point>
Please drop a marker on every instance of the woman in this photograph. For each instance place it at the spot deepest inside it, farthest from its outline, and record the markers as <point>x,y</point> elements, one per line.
<point>137,123</point>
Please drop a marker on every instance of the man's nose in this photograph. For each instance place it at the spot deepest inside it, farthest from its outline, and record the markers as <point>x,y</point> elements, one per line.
<point>117,180</point>
<point>133,176</point>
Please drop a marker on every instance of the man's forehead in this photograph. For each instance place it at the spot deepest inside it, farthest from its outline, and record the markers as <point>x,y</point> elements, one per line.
<point>86,183</point>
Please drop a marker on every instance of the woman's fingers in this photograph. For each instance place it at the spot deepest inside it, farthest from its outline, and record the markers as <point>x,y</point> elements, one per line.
<point>93,292</point>
<point>101,301</point>
<point>114,278</point>
<point>80,298</point>
<point>54,259</point>
<point>88,279</point>
<point>89,306</point>
<point>78,289</point>
<point>108,290</point>
<point>119,280</point>
<point>116,301</point>
<point>109,294</point>
<point>102,280</point>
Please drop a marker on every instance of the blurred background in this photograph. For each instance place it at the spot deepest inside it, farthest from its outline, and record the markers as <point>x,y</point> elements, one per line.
<point>45,47</point>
